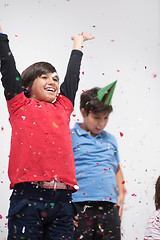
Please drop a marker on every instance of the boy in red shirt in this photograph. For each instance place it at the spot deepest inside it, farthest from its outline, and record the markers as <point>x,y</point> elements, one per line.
<point>41,164</point>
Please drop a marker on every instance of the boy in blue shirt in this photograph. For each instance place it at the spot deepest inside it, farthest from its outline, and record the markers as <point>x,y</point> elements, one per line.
<point>99,200</point>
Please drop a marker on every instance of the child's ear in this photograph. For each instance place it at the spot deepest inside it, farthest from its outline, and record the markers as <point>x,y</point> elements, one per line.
<point>83,112</point>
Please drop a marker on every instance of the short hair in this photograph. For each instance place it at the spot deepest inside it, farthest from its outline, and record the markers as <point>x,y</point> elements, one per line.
<point>90,102</point>
<point>32,72</point>
<point>157,194</point>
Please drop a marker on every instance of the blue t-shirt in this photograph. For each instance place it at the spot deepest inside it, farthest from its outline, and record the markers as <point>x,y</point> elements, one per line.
<point>96,160</point>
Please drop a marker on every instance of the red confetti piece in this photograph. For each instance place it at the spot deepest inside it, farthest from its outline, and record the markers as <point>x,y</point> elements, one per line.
<point>133,195</point>
<point>121,134</point>
<point>118,70</point>
<point>84,193</point>
<point>110,199</point>
<point>73,115</point>
<point>154,75</point>
<point>102,73</point>
<point>97,163</point>
<point>2,128</point>
<point>1,217</point>
<point>83,73</point>
<point>105,170</point>
<point>123,182</point>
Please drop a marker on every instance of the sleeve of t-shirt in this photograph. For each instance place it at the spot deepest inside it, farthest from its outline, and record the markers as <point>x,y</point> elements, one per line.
<point>11,79</point>
<point>113,140</point>
<point>70,85</point>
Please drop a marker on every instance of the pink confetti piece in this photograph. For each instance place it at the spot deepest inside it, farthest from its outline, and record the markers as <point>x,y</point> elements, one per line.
<point>154,75</point>
<point>105,170</point>
<point>1,217</point>
<point>118,70</point>
<point>121,134</point>
<point>102,73</point>
<point>16,35</point>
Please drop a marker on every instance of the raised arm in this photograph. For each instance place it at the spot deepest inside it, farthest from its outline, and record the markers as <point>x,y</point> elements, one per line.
<point>11,79</point>
<point>70,85</point>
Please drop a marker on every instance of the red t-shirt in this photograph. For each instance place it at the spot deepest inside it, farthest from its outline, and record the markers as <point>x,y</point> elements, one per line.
<point>41,145</point>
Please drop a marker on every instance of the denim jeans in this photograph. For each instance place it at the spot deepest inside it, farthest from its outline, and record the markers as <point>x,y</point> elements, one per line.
<point>40,214</point>
<point>97,221</point>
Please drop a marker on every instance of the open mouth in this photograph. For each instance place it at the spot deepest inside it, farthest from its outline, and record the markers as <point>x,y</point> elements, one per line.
<point>50,89</point>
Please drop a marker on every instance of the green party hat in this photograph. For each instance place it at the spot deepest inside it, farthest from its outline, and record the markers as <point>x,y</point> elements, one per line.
<point>105,94</point>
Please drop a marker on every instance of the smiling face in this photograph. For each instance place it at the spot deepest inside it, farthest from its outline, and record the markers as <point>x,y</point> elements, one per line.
<point>94,122</point>
<point>45,88</point>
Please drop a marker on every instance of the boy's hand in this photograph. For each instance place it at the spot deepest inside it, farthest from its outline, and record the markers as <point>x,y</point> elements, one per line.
<point>120,204</point>
<point>79,39</point>
<point>0,29</point>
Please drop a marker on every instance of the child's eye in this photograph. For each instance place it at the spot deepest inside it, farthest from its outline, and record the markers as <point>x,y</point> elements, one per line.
<point>55,79</point>
<point>44,77</point>
<point>96,117</point>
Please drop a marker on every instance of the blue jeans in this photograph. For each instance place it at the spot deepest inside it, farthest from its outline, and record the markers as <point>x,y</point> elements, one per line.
<point>97,221</point>
<point>40,214</point>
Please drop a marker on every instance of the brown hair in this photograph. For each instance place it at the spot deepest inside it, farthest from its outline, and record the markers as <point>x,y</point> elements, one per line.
<point>34,71</point>
<point>90,102</point>
<point>157,194</point>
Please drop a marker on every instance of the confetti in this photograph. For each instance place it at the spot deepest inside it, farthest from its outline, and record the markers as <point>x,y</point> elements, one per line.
<point>55,125</point>
<point>118,70</point>
<point>133,195</point>
<point>17,78</point>
<point>23,230</point>
<point>121,134</point>
<point>154,75</point>
<point>52,205</point>
<point>1,217</point>
<point>93,26</point>
<point>16,35</point>
<point>2,128</point>
<point>123,182</point>
<point>83,73</point>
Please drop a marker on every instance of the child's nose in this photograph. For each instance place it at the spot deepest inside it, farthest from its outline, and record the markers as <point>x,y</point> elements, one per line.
<point>50,81</point>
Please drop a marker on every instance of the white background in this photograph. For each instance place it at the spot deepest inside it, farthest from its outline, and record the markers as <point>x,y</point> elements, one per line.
<point>127,39</point>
